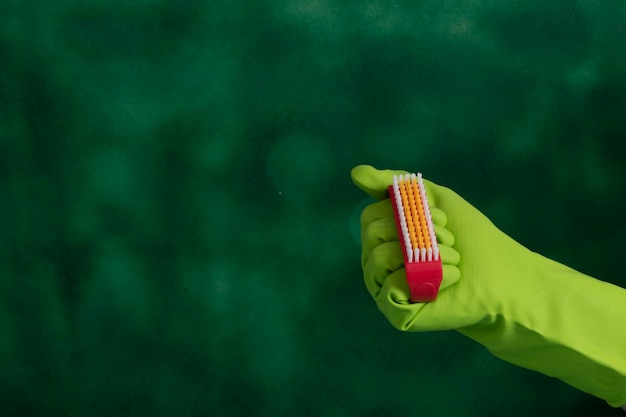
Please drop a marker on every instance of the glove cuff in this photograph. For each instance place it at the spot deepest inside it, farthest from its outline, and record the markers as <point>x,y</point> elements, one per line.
<point>572,327</point>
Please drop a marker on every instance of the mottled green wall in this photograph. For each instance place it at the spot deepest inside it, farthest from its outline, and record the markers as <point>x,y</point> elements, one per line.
<point>178,229</point>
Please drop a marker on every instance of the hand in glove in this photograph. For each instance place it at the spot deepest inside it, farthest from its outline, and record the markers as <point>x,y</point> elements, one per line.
<point>523,307</point>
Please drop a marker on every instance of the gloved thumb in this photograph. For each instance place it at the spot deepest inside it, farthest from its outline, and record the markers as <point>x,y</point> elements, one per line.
<point>374,181</point>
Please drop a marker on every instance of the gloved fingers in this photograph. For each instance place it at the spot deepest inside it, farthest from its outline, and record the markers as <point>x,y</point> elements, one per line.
<point>376,211</point>
<point>438,215</point>
<point>377,233</point>
<point>451,274</point>
<point>444,236</point>
<point>394,289</point>
<point>449,256</point>
<point>393,300</point>
<point>373,181</point>
<point>384,259</point>
<point>377,226</point>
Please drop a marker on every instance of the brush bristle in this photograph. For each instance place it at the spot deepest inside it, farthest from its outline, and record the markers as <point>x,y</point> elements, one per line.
<point>416,225</point>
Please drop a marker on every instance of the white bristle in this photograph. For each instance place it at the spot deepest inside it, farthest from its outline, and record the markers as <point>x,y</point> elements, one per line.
<point>407,243</point>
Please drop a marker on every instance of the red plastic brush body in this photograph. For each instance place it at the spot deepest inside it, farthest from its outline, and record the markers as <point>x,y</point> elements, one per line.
<point>424,276</point>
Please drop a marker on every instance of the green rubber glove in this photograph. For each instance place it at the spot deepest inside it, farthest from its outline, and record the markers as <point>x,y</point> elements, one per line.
<point>523,307</point>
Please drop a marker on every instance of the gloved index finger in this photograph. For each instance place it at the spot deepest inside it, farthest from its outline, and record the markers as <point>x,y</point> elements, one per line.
<point>373,181</point>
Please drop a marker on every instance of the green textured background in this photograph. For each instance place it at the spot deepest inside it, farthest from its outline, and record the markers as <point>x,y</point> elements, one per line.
<point>178,229</point>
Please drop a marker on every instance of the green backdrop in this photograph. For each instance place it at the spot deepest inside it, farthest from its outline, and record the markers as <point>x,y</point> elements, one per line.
<point>178,228</point>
